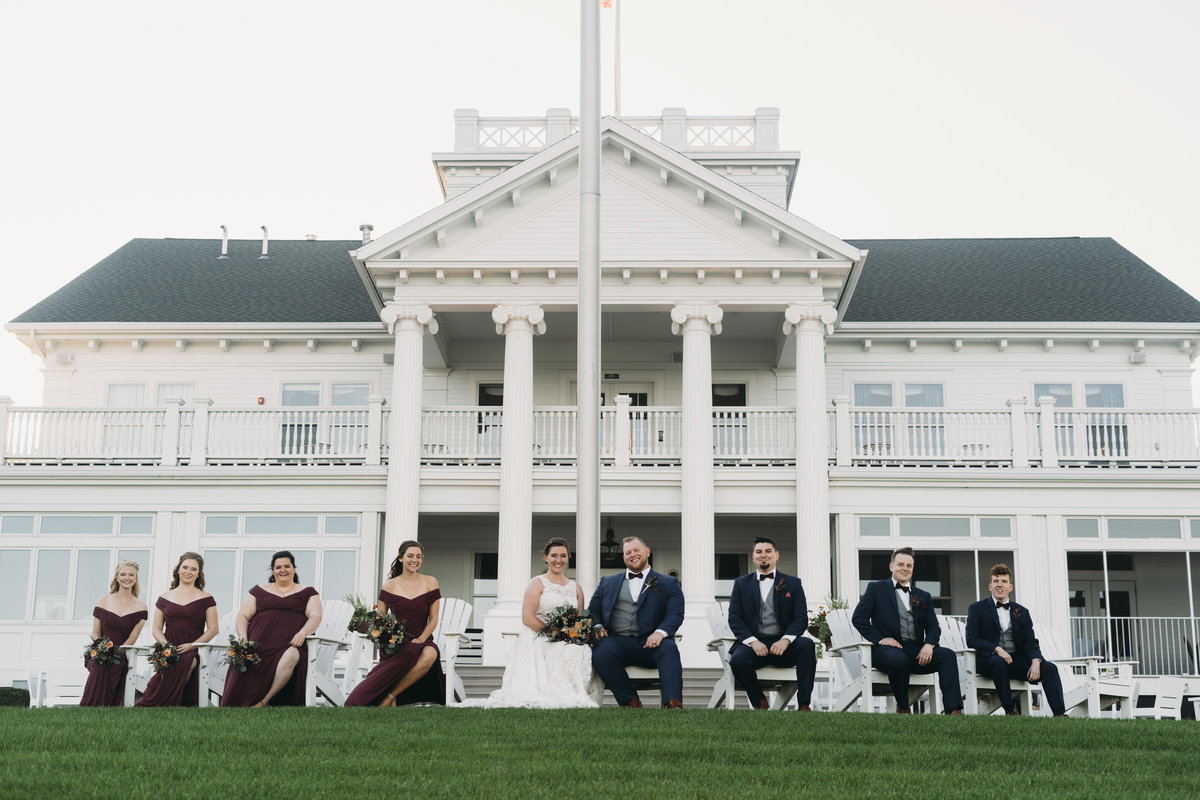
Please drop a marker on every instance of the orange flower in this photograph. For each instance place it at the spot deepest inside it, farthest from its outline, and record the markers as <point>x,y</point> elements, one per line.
<point>375,632</point>
<point>232,652</point>
<point>109,645</point>
<point>93,653</point>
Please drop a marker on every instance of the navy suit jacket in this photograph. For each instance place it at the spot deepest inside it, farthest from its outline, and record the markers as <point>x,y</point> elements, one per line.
<point>878,617</point>
<point>983,629</point>
<point>745,601</point>
<point>660,604</point>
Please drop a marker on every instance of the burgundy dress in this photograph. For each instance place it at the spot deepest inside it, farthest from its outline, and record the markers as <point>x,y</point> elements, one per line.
<point>276,620</point>
<point>106,685</point>
<point>179,685</point>
<point>431,687</point>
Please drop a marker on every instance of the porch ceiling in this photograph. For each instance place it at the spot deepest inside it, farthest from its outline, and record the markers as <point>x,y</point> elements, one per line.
<point>615,326</point>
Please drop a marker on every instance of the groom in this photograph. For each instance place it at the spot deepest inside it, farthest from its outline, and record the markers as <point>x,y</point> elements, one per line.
<point>637,612</point>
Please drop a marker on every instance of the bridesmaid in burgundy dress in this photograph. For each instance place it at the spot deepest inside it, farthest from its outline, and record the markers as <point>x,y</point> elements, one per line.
<point>278,615</point>
<point>120,616</point>
<point>186,616</point>
<point>413,673</point>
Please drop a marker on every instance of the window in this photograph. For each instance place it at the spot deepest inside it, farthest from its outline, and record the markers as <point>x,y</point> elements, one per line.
<point>350,394</point>
<point>1083,529</point>
<point>288,525</point>
<point>14,577</point>
<point>1144,529</point>
<point>730,566</point>
<point>348,429</point>
<point>729,426</point>
<point>872,429</point>
<point>1061,392</point>
<point>92,578</point>
<point>51,584</point>
<point>926,429</point>
<point>875,526</point>
<point>911,527</point>
<point>301,394</point>
<point>298,432</point>
<point>281,524</point>
<point>16,523</point>
<point>995,527</point>
<point>126,395</point>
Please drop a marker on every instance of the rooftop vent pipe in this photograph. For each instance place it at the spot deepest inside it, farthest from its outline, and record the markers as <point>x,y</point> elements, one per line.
<point>264,252</point>
<point>310,237</point>
<point>366,232</point>
<point>224,242</point>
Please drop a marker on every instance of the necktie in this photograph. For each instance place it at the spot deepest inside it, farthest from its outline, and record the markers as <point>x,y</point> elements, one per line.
<point>902,588</point>
<point>1003,605</point>
<point>770,576</point>
<point>633,575</point>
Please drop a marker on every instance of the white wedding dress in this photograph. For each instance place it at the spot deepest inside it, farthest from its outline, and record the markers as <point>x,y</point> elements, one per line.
<point>545,674</point>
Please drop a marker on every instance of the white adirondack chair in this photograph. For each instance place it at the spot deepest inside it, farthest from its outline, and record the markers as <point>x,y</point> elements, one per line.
<point>212,667</point>
<point>1168,700</point>
<point>57,684</point>
<point>454,615</point>
<point>323,646</point>
<point>861,681</point>
<point>1105,684</point>
<point>979,693</point>
<point>779,682</point>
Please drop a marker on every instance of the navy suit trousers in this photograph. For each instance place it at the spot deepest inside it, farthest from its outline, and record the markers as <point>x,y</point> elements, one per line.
<point>801,654</point>
<point>614,653</point>
<point>899,663</point>
<point>1000,672</point>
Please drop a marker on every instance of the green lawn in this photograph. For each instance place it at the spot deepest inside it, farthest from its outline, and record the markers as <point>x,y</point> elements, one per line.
<point>464,753</point>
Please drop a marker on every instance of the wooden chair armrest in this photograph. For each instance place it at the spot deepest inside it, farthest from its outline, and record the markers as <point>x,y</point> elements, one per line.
<point>725,642</point>
<point>312,637</point>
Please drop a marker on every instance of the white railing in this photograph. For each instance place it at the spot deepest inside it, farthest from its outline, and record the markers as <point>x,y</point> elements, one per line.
<point>1157,645</point>
<point>253,434</point>
<point>470,434</point>
<point>674,128</point>
<point>655,433</point>
<point>754,434</point>
<point>80,435</point>
<point>906,434</point>
<point>1113,434</point>
<point>554,433</point>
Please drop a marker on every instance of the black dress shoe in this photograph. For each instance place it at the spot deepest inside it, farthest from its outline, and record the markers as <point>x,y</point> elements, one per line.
<point>634,703</point>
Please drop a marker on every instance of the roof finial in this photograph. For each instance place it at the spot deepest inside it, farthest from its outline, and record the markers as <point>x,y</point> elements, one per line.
<point>224,242</point>
<point>366,229</point>
<point>264,252</point>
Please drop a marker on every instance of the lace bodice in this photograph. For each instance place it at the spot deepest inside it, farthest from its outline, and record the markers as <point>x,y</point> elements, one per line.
<point>554,596</point>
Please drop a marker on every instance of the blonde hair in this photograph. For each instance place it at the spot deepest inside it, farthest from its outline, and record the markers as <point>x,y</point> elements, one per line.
<point>113,588</point>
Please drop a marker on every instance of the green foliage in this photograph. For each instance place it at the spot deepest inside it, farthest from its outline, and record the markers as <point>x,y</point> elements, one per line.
<point>465,753</point>
<point>13,697</point>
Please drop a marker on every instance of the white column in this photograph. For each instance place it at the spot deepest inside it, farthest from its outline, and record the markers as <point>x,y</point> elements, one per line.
<point>518,325</point>
<point>697,324</point>
<point>408,322</point>
<point>809,321</point>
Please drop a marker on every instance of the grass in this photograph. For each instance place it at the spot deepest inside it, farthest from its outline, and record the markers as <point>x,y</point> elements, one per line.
<point>466,753</point>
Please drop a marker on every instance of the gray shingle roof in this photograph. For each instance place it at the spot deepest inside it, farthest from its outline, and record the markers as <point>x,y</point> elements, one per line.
<point>183,280</point>
<point>1012,280</point>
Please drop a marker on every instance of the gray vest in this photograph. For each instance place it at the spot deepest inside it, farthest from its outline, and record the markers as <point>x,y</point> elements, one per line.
<point>1006,637</point>
<point>623,619</point>
<point>908,628</point>
<point>768,622</point>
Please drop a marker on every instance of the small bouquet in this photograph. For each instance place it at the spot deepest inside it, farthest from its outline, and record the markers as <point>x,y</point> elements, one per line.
<point>102,652</point>
<point>569,624</point>
<point>164,656</point>
<point>361,617</point>
<point>386,631</point>
<point>242,654</point>
<point>818,625</point>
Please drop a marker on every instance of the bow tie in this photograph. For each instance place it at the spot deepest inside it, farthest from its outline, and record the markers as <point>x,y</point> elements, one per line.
<point>770,576</point>
<point>1003,605</point>
<point>633,575</point>
<point>902,588</point>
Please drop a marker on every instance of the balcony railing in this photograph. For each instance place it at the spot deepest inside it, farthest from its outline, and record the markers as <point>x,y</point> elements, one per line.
<point>198,434</point>
<point>1156,645</point>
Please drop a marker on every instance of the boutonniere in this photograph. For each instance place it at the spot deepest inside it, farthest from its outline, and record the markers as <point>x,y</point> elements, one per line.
<point>651,583</point>
<point>916,604</point>
<point>779,587</point>
<point>1016,612</point>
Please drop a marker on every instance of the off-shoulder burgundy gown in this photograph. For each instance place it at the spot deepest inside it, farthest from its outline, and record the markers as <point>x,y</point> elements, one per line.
<point>106,685</point>
<point>179,685</point>
<point>431,687</point>
<point>276,620</point>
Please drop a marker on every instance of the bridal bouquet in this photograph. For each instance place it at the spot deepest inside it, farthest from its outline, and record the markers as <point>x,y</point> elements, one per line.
<point>386,631</point>
<point>569,624</point>
<point>242,655</point>
<point>163,656</point>
<point>102,652</point>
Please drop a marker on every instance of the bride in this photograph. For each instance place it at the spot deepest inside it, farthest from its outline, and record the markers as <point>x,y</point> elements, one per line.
<point>545,674</point>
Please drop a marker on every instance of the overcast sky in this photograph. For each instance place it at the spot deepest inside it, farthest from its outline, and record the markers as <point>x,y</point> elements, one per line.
<point>914,119</point>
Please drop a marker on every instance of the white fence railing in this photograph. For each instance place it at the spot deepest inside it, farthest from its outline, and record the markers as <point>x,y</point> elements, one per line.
<point>1157,645</point>
<point>199,434</point>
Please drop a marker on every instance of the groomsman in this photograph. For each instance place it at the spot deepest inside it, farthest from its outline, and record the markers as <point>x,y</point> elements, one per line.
<point>899,620</point>
<point>637,612</point>
<point>768,615</point>
<point>1001,633</point>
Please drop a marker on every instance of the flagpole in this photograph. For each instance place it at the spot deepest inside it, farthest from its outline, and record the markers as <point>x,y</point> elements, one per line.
<point>587,507</point>
<point>616,58</point>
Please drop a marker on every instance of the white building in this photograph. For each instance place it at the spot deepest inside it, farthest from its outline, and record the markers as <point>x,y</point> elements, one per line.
<point>1017,400</point>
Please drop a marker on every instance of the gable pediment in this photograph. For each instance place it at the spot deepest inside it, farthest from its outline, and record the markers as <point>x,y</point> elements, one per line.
<point>656,205</point>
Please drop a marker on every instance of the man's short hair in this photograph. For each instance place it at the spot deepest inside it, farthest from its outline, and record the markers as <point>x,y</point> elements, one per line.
<point>765,540</point>
<point>629,539</point>
<point>902,551</point>
<point>1001,569</point>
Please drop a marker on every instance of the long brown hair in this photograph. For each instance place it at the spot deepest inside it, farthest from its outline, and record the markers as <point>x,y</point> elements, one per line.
<point>398,564</point>
<point>199,559</point>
